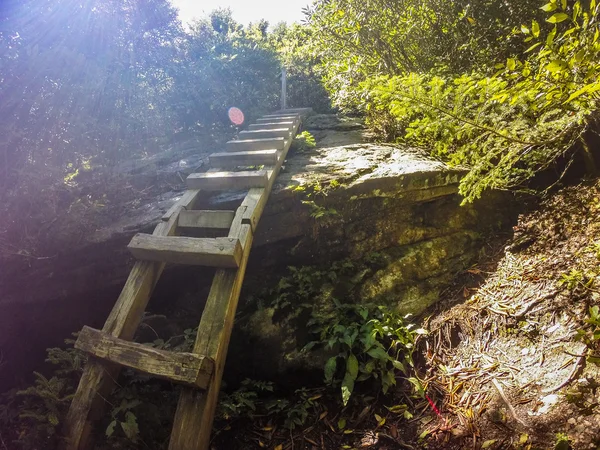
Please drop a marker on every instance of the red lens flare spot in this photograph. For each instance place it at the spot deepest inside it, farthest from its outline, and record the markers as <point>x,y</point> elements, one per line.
<point>236,116</point>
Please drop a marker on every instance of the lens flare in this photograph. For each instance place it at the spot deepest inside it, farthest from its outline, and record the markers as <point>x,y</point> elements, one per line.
<point>236,116</point>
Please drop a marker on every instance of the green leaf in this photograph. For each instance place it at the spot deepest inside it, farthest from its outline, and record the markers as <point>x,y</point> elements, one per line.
<point>352,367</point>
<point>558,18</point>
<point>550,38</point>
<point>580,55</point>
<point>556,66</point>
<point>524,29</point>
<point>130,426</point>
<point>379,353</point>
<point>397,409</point>
<point>488,444</point>
<point>549,7</point>
<point>533,47</point>
<point>535,29</point>
<point>380,420</point>
<point>349,378</point>
<point>330,367</point>
<point>564,4</point>
<point>576,10</point>
<point>110,429</point>
<point>341,424</point>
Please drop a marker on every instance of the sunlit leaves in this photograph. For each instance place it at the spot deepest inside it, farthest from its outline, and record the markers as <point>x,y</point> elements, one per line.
<point>535,29</point>
<point>549,7</point>
<point>557,18</point>
<point>349,378</point>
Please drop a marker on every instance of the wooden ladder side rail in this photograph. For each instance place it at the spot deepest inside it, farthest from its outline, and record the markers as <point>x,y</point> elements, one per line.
<point>196,408</point>
<point>99,377</point>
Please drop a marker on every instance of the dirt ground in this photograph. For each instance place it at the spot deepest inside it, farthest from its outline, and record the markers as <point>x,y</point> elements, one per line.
<point>509,361</point>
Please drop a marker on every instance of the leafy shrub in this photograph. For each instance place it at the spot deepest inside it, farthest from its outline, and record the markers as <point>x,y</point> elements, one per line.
<point>34,415</point>
<point>303,141</point>
<point>372,343</point>
<point>508,126</point>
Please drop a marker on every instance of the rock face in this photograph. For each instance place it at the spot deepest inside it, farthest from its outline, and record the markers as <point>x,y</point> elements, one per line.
<point>347,198</point>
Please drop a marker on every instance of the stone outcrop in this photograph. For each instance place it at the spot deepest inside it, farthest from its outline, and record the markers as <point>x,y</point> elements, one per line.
<point>370,198</point>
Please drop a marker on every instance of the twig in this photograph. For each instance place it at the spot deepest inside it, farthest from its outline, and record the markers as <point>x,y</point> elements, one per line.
<point>3,443</point>
<point>508,404</point>
<point>578,365</point>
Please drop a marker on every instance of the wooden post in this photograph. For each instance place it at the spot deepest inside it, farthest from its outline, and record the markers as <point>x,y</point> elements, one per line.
<point>283,88</point>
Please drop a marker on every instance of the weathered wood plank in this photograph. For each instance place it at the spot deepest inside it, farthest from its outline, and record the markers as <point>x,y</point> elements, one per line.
<point>195,410</point>
<point>266,133</point>
<point>98,378</point>
<point>246,145</point>
<point>212,252</point>
<point>219,220</point>
<point>185,368</point>
<point>281,116</point>
<point>223,181</point>
<point>187,199</point>
<point>235,159</point>
<point>277,119</point>
<point>270,126</point>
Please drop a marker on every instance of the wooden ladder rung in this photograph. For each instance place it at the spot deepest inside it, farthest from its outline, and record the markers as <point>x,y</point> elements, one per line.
<point>277,119</point>
<point>272,125</point>
<point>224,181</point>
<point>222,252</point>
<point>256,144</point>
<point>265,133</point>
<point>281,116</point>
<point>185,368</point>
<point>218,220</point>
<point>235,159</point>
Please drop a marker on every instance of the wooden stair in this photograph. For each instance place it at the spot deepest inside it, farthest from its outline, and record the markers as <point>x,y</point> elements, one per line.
<point>199,371</point>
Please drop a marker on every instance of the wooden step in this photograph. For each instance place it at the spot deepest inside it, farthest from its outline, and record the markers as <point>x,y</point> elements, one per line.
<point>255,144</point>
<point>272,125</point>
<point>224,181</point>
<point>185,368</point>
<point>217,220</point>
<point>234,159</point>
<point>265,133</point>
<point>294,111</point>
<point>277,119</point>
<point>213,252</point>
<point>281,115</point>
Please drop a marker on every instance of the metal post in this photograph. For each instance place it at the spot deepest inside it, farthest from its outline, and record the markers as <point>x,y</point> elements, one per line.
<point>283,88</point>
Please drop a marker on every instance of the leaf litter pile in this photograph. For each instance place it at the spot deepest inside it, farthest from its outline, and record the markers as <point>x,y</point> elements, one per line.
<point>510,360</point>
<point>514,366</point>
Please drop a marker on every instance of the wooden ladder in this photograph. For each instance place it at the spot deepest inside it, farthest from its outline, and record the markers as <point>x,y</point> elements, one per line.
<point>265,143</point>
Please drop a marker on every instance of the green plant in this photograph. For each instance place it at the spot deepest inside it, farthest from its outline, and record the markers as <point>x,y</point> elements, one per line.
<point>572,279</point>
<point>370,342</point>
<point>243,401</point>
<point>562,442</point>
<point>35,414</point>
<point>507,126</point>
<point>303,142</point>
<point>590,335</point>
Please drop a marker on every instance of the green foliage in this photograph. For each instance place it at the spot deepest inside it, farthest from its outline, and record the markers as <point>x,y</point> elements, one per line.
<point>369,342</point>
<point>34,415</point>
<point>257,399</point>
<point>590,335</point>
<point>302,142</point>
<point>356,40</point>
<point>562,442</point>
<point>571,280</point>
<point>504,127</point>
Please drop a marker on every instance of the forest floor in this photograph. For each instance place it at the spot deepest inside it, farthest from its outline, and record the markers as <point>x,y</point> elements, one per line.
<point>509,361</point>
